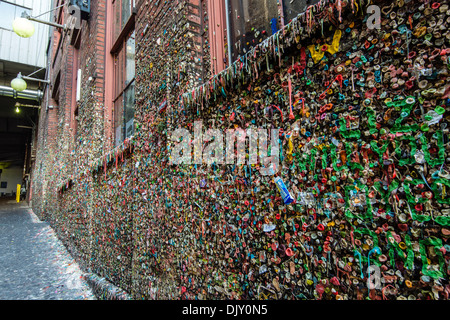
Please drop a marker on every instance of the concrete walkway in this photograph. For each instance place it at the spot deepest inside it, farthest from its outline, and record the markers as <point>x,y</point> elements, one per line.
<point>34,264</point>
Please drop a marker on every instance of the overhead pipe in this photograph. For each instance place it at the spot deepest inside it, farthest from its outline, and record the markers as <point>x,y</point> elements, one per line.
<point>25,94</point>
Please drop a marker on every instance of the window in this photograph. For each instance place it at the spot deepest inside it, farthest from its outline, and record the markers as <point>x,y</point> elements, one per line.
<point>252,21</point>
<point>123,52</point>
<point>124,101</point>
<point>292,9</point>
<point>76,123</point>
<point>122,12</point>
<point>10,12</point>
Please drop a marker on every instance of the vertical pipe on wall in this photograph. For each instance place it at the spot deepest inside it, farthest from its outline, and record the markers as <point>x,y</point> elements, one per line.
<point>227,14</point>
<point>109,79</point>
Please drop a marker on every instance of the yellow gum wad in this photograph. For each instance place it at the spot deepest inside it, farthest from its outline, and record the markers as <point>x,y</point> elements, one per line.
<point>317,55</point>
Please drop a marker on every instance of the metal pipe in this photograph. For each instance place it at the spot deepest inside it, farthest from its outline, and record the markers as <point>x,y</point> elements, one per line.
<point>27,105</point>
<point>227,15</point>
<point>41,14</point>
<point>25,94</point>
<point>35,71</point>
<point>64,27</point>
<point>37,80</point>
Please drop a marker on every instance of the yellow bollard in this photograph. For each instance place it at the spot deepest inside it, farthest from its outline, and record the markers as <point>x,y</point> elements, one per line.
<point>18,193</point>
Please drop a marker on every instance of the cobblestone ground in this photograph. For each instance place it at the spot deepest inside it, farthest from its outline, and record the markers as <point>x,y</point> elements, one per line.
<point>34,264</point>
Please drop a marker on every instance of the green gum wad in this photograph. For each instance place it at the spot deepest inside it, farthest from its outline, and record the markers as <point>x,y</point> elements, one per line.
<point>439,110</point>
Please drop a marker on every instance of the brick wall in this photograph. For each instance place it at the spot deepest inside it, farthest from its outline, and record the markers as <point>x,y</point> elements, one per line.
<point>60,154</point>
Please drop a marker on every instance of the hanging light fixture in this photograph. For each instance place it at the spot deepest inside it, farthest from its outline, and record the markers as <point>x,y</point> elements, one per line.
<point>23,27</point>
<point>17,110</point>
<point>18,83</point>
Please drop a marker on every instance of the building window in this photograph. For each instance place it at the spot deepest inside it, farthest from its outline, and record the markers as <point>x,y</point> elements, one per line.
<point>76,123</point>
<point>292,9</point>
<point>122,12</point>
<point>123,52</point>
<point>252,21</point>
<point>124,102</point>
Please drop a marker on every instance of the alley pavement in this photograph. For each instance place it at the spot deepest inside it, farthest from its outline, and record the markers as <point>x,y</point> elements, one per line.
<point>34,264</point>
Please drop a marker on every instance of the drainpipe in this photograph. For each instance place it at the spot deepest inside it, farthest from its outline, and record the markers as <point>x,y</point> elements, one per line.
<point>227,14</point>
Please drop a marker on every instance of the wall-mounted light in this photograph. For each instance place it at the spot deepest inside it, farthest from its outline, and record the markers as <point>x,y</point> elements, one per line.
<point>79,9</point>
<point>24,28</point>
<point>18,83</point>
